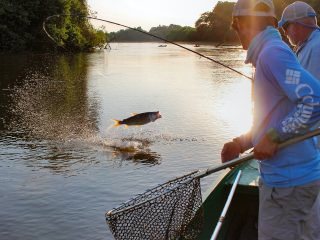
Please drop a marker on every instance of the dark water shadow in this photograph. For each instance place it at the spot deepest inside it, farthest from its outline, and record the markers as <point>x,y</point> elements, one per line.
<point>132,149</point>
<point>139,157</point>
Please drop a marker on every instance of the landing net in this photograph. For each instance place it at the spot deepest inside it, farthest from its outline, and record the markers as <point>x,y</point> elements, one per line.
<point>160,213</point>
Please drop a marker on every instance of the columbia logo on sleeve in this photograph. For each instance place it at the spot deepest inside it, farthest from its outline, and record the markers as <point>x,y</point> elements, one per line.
<point>292,76</point>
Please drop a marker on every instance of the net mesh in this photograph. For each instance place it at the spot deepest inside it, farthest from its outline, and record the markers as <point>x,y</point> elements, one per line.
<point>160,213</point>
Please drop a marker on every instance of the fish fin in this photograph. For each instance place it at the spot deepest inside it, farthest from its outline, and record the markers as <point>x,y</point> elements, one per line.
<point>133,114</point>
<point>117,123</point>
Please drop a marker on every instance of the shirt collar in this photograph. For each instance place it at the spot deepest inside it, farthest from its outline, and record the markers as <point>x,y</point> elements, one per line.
<point>311,36</point>
<point>258,42</point>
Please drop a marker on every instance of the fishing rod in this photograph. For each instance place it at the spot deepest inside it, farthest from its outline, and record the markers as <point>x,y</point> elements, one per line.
<point>141,31</point>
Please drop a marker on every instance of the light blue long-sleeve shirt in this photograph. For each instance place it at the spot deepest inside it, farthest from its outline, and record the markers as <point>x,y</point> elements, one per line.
<point>309,54</point>
<point>287,99</point>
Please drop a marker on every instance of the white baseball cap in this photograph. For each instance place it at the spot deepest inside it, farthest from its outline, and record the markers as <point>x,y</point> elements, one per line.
<point>295,11</point>
<point>258,8</point>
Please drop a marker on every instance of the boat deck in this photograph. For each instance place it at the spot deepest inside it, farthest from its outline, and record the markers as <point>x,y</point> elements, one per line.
<point>250,174</point>
<point>241,221</point>
<point>249,180</point>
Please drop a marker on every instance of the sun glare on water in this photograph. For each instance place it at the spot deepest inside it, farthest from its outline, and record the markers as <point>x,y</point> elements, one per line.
<point>236,107</point>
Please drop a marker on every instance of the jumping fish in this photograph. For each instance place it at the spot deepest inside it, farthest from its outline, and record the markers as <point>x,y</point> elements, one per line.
<point>138,119</point>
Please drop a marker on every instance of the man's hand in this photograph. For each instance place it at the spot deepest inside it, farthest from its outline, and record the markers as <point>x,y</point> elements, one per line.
<point>266,148</point>
<point>230,150</point>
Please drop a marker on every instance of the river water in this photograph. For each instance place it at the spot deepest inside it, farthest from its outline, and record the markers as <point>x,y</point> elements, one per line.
<point>63,165</point>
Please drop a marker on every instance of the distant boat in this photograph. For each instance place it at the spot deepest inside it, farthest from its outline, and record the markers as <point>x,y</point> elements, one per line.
<point>162,45</point>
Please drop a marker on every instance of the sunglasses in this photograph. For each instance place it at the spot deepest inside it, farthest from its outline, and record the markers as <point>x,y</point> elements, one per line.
<point>286,26</point>
<point>234,24</point>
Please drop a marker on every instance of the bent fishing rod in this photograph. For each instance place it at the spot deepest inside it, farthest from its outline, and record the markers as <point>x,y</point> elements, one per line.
<point>141,31</point>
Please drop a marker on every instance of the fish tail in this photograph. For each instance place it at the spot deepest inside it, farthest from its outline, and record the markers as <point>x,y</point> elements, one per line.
<point>117,123</point>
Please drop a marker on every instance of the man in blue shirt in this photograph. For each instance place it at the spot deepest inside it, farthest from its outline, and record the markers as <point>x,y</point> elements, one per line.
<point>286,103</point>
<point>299,23</point>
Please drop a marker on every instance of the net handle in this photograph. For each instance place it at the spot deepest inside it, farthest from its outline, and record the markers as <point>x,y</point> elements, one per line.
<point>225,165</point>
<point>226,207</point>
<point>250,156</point>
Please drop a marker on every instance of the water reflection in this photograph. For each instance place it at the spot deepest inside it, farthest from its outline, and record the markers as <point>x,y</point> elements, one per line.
<point>48,113</point>
<point>61,167</point>
<point>232,92</point>
<point>239,104</point>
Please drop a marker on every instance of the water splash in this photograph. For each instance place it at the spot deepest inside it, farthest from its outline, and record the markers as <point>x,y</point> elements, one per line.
<point>44,108</point>
<point>124,145</point>
<point>58,111</point>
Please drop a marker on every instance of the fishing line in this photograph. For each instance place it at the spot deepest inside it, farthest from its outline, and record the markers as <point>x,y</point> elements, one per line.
<point>141,31</point>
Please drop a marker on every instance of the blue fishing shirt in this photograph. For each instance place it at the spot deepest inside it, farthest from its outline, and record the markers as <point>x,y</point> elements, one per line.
<point>286,98</point>
<point>309,53</point>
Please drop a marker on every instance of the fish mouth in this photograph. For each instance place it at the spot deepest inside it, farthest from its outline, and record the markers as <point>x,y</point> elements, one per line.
<point>159,115</point>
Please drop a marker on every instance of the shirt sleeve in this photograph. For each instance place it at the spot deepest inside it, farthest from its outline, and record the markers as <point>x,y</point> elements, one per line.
<point>299,86</point>
<point>245,141</point>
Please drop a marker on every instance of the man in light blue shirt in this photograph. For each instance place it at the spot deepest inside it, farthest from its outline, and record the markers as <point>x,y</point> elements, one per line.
<point>299,23</point>
<point>286,103</point>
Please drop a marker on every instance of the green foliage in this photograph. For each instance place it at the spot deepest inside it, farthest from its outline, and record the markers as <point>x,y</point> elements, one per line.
<point>129,35</point>
<point>211,26</point>
<point>21,25</point>
<point>99,39</point>
<point>171,32</point>
<point>215,25</point>
<point>174,32</point>
<point>15,18</point>
<point>182,34</point>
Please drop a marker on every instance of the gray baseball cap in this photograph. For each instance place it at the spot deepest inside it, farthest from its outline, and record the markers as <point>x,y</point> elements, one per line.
<point>259,8</point>
<point>295,11</point>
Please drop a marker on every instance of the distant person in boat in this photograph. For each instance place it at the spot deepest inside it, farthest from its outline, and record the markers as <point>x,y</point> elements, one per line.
<point>286,103</point>
<point>299,23</point>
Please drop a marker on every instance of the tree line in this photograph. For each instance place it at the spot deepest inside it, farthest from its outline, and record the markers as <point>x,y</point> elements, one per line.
<point>211,26</point>
<point>21,25</point>
<point>172,33</point>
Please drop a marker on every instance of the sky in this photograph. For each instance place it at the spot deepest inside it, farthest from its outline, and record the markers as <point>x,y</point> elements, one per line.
<point>149,13</point>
